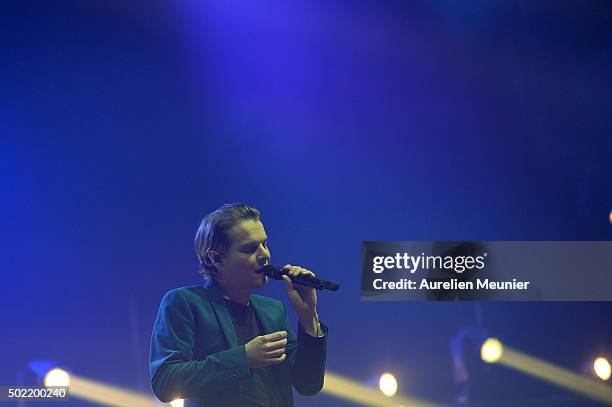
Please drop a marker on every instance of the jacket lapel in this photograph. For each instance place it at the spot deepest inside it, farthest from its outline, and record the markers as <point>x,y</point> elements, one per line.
<point>279,372</point>
<point>267,324</point>
<point>220,308</point>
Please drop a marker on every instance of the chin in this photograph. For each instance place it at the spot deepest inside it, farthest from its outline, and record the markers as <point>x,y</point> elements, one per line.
<point>261,282</point>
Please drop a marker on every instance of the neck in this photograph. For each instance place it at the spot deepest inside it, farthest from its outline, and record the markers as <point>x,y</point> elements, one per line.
<point>237,295</point>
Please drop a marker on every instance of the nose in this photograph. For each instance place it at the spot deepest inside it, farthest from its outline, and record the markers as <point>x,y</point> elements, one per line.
<point>264,255</point>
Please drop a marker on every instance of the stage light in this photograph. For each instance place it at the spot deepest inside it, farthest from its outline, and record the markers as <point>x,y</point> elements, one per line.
<point>602,369</point>
<point>491,350</point>
<point>610,216</point>
<point>387,384</point>
<point>110,395</point>
<point>556,375</point>
<point>366,394</point>
<point>57,377</point>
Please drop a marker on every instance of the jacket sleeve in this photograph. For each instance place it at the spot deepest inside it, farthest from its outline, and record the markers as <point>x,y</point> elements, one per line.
<point>174,374</point>
<point>307,356</point>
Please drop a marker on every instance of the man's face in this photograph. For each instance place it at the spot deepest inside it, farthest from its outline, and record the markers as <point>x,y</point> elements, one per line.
<point>248,253</point>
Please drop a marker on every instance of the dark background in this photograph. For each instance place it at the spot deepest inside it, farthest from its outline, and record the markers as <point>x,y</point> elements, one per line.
<point>123,123</point>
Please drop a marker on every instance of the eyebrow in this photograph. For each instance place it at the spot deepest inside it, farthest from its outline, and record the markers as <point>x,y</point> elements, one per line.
<point>253,242</point>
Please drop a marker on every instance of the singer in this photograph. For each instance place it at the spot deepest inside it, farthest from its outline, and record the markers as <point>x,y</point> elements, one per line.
<point>218,344</point>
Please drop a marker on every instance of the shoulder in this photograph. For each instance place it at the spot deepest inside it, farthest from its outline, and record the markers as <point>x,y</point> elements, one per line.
<point>184,295</point>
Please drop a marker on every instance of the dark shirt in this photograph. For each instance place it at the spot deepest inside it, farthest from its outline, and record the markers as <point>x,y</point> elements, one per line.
<point>262,390</point>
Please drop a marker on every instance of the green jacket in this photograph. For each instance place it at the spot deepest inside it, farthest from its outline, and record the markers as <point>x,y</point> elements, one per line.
<point>195,354</point>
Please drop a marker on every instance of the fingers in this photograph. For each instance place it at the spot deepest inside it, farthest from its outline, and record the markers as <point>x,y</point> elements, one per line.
<point>269,361</point>
<point>270,346</point>
<point>296,270</point>
<point>275,353</point>
<point>275,344</point>
<point>292,272</point>
<point>288,282</point>
<point>274,336</point>
<point>266,350</point>
<point>274,361</point>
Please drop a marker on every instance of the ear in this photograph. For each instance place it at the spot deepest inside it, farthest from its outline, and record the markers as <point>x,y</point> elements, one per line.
<point>216,259</point>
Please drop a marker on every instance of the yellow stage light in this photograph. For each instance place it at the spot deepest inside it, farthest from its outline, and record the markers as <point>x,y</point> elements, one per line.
<point>57,377</point>
<point>557,375</point>
<point>342,387</point>
<point>355,391</point>
<point>602,369</point>
<point>387,384</point>
<point>491,350</point>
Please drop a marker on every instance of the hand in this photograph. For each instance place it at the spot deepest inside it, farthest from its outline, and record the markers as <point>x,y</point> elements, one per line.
<point>303,299</point>
<point>266,350</point>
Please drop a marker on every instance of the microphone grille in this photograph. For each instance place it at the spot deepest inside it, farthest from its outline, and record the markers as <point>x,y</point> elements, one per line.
<point>272,272</point>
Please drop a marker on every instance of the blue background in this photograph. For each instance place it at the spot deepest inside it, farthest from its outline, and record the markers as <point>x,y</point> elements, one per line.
<point>123,123</point>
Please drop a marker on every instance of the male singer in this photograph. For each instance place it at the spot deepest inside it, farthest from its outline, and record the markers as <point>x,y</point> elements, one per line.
<point>219,344</point>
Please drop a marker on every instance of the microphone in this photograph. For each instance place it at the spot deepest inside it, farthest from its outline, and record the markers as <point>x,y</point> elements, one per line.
<point>277,273</point>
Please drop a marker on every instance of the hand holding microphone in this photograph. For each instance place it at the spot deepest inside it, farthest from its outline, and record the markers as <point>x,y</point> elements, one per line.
<point>301,284</point>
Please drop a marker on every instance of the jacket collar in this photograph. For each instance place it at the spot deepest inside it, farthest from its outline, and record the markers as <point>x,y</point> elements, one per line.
<point>219,305</point>
<point>223,317</point>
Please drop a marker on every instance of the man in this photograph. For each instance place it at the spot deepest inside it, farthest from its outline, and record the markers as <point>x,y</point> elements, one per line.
<point>221,345</point>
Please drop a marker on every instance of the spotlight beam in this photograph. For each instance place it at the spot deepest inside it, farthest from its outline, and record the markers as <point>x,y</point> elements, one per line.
<point>335,385</point>
<point>556,375</point>
<point>356,392</point>
<point>105,394</point>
